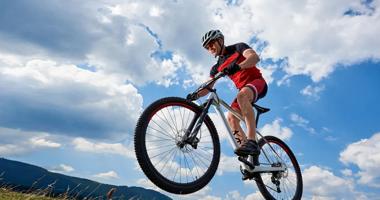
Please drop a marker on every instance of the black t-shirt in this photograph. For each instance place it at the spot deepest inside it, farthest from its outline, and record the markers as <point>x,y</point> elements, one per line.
<point>239,47</point>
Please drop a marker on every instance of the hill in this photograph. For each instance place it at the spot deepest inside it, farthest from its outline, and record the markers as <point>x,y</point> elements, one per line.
<point>26,178</point>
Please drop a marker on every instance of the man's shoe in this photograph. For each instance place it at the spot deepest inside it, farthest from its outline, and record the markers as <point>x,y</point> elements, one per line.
<point>255,160</point>
<point>249,148</point>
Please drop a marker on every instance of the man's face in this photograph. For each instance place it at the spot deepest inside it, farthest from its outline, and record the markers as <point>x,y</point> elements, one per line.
<point>213,47</point>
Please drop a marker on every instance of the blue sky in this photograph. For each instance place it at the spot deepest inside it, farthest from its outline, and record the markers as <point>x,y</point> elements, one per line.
<point>74,78</point>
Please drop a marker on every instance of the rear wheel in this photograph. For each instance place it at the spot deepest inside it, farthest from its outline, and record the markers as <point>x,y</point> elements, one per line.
<point>279,185</point>
<point>172,166</point>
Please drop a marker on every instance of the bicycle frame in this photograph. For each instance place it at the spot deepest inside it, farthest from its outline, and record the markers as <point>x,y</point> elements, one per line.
<point>218,103</point>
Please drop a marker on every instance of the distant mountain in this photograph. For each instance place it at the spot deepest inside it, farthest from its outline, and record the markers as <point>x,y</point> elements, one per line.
<point>26,177</point>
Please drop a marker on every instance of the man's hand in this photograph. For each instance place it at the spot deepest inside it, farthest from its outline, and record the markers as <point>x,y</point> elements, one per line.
<point>232,69</point>
<point>192,96</point>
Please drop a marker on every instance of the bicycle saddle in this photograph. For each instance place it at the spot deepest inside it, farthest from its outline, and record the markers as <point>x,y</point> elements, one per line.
<point>260,109</point>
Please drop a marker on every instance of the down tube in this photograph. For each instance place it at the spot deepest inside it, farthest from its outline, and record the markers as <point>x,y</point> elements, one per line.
<point>231,137</point>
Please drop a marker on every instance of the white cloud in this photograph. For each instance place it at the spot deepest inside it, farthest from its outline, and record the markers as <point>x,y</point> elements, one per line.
<point>112,38</point>
<point>203,194</point>
<point>267,73</point>
<point>234,195</point>
<point>257,196</point>
<point>107,175</point>
<point>167,68</point>
<point>179,39</point>
<point>321,183</point>
<point>85,145</point>
<point>298,119</point>
<point>19,142</point>
<point>11,149</point>
<point>65,99</point>
<point>313,92</point>
<point>43,142</point>
<point>122,27</point>
<point>228,164</point>
<point>302,122</point>
<point>62,168</point>
<point>347,172</point>
<point>277,130</point>
<point>146,183</point>
<point>308,50</point>
<point>365,155</point>
<point>155,11</point>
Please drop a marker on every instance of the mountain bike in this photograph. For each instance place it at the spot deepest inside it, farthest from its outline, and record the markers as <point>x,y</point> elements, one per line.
<point>177,147</point>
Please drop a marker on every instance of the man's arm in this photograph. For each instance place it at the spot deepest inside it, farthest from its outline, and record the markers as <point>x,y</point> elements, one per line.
<point>251,59</point>
<point>205,91</point>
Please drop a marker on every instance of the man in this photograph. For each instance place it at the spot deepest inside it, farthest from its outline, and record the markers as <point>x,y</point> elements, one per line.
<point>247,79</point>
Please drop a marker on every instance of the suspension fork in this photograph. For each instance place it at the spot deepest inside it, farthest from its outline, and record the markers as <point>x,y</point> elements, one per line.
<point>190,136</point>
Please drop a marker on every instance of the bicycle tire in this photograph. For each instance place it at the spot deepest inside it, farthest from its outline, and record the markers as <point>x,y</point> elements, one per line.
<point>263,188</point>
<point>150,169</point>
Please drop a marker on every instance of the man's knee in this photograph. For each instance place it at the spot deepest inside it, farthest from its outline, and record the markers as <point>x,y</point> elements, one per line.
<point>244,95</point>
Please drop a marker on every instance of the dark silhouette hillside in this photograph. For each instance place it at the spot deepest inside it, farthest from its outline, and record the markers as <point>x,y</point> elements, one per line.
<point>27,178</point>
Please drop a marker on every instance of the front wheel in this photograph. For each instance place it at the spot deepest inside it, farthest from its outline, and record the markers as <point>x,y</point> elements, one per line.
<point>170,164</point>
<point>279,185</point>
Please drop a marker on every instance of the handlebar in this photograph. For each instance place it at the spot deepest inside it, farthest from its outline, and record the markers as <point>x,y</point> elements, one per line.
<point>194,96</point>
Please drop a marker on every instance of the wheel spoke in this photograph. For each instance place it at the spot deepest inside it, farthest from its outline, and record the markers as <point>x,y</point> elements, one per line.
<point>288,185</point>
<point>157,147</point>
<point>151,135</point>
<point>195,165</point>
<point>162,153</point>
<point>173,121</point>
<point>158,141</point>
<point>166,120</point>
<point>170,136</point>
<point>168,160</point>
<point>206,165</point>
<point>188,167</point>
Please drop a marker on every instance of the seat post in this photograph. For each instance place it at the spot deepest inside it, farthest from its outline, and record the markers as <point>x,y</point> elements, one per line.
<point>260,110</point>
<point>257,117</point>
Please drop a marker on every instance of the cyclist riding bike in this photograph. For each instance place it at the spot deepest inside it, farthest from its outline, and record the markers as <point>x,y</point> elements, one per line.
<point>248,80</point>
<point>177,145</point>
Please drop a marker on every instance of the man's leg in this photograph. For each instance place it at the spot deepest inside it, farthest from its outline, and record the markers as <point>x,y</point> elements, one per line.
<point>235,127</point>
<point>244,98</point>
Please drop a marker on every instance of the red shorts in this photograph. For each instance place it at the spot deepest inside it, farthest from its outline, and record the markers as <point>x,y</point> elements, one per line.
<point>259,88</point>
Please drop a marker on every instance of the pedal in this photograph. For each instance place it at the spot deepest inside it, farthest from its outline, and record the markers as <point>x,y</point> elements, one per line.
<point>246,176</point>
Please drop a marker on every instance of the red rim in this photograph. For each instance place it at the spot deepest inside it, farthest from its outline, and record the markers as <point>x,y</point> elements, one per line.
<point>180,104</point>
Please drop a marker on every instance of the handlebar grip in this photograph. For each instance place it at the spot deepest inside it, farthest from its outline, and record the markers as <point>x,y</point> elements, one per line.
<point>192,96</point>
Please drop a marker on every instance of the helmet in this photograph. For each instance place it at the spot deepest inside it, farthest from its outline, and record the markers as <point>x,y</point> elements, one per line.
<point>211,35</point>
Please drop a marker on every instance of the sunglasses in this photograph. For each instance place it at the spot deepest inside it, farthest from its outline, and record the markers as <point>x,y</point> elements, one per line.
<point>210,44</point>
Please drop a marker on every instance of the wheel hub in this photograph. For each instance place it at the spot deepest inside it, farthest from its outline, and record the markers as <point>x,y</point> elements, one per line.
<point>181,143</point>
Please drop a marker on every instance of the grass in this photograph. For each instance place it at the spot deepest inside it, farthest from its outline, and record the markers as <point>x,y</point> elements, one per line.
<point>8,194</point>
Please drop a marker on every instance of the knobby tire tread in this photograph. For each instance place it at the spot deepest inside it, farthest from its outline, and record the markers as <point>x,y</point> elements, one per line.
<point>259,182</point>
<point>145,163</point>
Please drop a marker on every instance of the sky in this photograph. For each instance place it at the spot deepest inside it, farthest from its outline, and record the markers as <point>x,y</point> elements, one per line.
<point>76,75</point>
